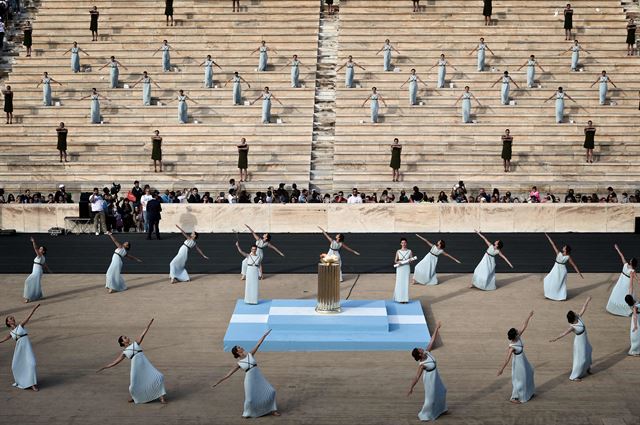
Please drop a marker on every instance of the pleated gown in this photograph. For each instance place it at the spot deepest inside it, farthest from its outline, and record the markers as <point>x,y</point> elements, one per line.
<point>146,383</point>
<point>425,271</point>
<point>32,285</point>
<point>435,393</point>
<point>581,351</point>
<point>616,304</point>
<point>177,268</point>
<point>259,395</point>
<point>115,281</point>
<point>23,364</point>
<point>484,275</point>
<point>522,379</point>
<point>403,271</point>
<point>555,283</point>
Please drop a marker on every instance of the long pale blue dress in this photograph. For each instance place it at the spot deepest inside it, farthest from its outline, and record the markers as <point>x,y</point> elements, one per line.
<point>634,336</point>
<point>177,268</point>
<point>266,108</point>
<point>522,379</point>
<point>146,383</point>
<point>413,89</point>
<point>75,59</point>
<point>442,72</point>
<point>261,244</point>
<point>575,56</point>
<point>183,113</point>
<point>425,271</point>
<point>435,393</point>
<point>349,74</point>
<point>252,279</point>
<point>23,364</point>
<point>237,91</point>
<point>114,74</point>
<point>166,59</point>
<point>581,351</point>
<point>259,395</point>
<point>531,72</point>
<point>484,275</point>
<point>387,57</point>
<point>146,91</point>
<point>208,74</point>
<point>334,249</point>
<point>603,88</point>
<point>32,286</point>
<point>481,54</point>
<point>46,91</point>
<point>559,106</point>
<point>504,92</point>
<point>401,291</point>
<point>295,73</point>
<point>262,64</point>
<point>374,108</point>
<point>115,281</point>
<point>555,283</point>
<point>95,109</point>
<point>616,304</point>
<point>466,108</point>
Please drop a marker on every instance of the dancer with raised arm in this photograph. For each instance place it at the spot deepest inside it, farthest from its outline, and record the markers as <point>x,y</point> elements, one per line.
<point>114,72</point>
<point>261,243</point>
<point>484,275</point>
<point>466,97</point>
<point>259,395</point>
<point>166,56</point>
<point>634,333</point>
<point>251,269</point>
<point>146,87</point>
<point>349,72</point>
<point>266,97</point>
<point>264,56</point>
<point>603,87</point>
<point>442,70</point>
<point>435,393</point>
<point>295,64</point>
<point>581,346</point>
<point>32,286</point>
<point>237,87</point>
<point>95,117</point>
<point>575,50</point>
<point>177,270</point>
<point>387,48</point>
<point>531,64</point>
<point>504,91</point>
<point>425,271</point>
<point>335,245</point>
<point>480,48</point>
<point>555,283</point>
<point>413,86</point>
<point>624,286</point>
<point>23,365</point>
<point>208,71</point>
<point>522,373</point>
<point>115,281</point>
<point>373,98</point>
<point>46,88</point>
<point>75,56</point>
<point>560,95</point>
<point>146,383</point>
<point>403,259</point>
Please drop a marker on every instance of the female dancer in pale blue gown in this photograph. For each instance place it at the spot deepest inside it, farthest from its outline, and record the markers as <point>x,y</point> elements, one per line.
<point>208,71</point>
<point>146,87</point>
<point>23,364</point>
<point>266,97</point>
<point>237,81</point>
<point>295,64</point>
<point>442,70</point>
<point>387,48</point>
<point>177,269</point>
<point>435,393</point>
<point>522,379</point>
<point>531,70</point>
<point>624,286</point>
<point>480,48</point>
<point>403,259</point>
<point>413,87</point>
<point>335,245</point>
<point>466,97</point>
<point>262,242</point>
<point>46,88</point>
<point>484,275</point>
<point>581,346</point>
<point>95,117</point>
<point>32,286</point>
<point>373,98</point>
<point>575,50</point>
<point>166,56</point>
<point>259,395</point>
<point>252,274</point>
<point>504,91</point>
<point>115,281</point>
<point>183,110</point>
<point>560,95</point>
<point>264,56</point>
<point>114,71</point>
<point>555,283</point>
<point>349,72</point>
<point>634,333</point>
<point>604,81</point>
<point>425,271</point>
<point>146,383</point>
<point>75,56</point>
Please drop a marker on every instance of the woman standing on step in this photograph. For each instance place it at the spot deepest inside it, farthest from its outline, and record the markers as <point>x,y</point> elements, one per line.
<point>413,87</point>
<point>487,11</point>
<point>93,26</point>
<point>46,88</point>
<point>27,39</point>
<point>484,275</point>
<point>568,22</point>
<point>555,283</point>
<point>504,91</point>
<point>266,97</point>
<point>589,140</point>
<point>560,95</point>
<point>114,71</point>
<point>604,81</point>
<point>7,93</point>
<point>466,97</point>
<point>95,105</point>
<point>442,70</point>
<point>156,150</point>
<point>404,258</point>
<point>259,395</point>
<point>522,379</point>
<point>243,161</point>
<point>75,56</point>
<point>146,383</point>
<point>634,334</point>
<point>507,150</point>
<point>531,70</point>
<point>166,56</point>
<point>581,345</point>
<point>575,50</point>
<point>396,151</point>
<point>261,243</point>
<point>23,364</point>
<point>146,87</point>
<point>208,71</point>
<point>435,393</point>
<point>168,11</point>
<point>32,285</point>
<point>295,71</point>
<point>62,133</point>
<point>425,271</point>
<point>374,97</point>
<point>349,73</point>
<point>237,87</point>
<point>631,37</point>
<point>264,56</point>
<point>624,286</point>
<point>335,245</point>
<point>115,281</point>
<point>387,48</point>
<point>183,111</point>
<point>177,270</point>
<point>480,48</point>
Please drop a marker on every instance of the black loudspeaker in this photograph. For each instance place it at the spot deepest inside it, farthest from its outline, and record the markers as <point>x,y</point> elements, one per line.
<point>83,206</point>
<point>637,225</point>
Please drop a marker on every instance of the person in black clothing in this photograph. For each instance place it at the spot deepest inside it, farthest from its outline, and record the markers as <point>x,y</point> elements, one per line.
<point>168,11</point>
<point>194,197</point>
<point>61,195</point>
<point>589,140</point>
<point>568,21</point>
<point>94,23</point>
<point>487,11</point>
<point>631,37</point>
<point>137,191</point>
<point>62,141</point>
<point>416,196</point>
<point>154,208</point>
<point>8,104</point>
<point>236,5</point>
